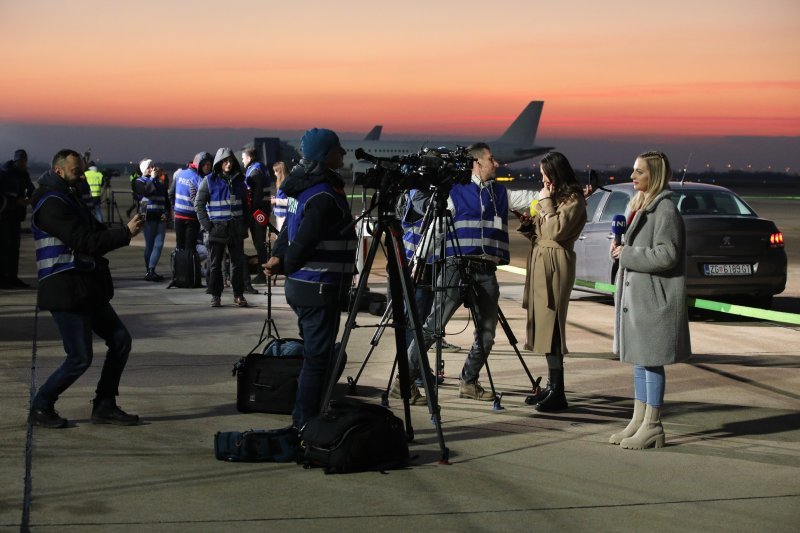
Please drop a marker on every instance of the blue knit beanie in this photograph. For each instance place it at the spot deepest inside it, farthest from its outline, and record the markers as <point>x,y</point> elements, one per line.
<point>317,142</point>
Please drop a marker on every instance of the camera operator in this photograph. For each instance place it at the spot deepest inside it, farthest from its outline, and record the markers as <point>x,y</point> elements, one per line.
<point>75,286</point>
<point>317,255</point>
<point>480,215</point>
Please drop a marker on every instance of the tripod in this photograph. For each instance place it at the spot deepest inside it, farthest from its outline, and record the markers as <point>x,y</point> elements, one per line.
<point>445,282</point>
<point>111,209</point>
<point>389,229</point>
<point>269,323</point>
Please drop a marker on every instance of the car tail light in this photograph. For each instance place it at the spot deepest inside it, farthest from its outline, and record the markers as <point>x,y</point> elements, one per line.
<point>776,240</point>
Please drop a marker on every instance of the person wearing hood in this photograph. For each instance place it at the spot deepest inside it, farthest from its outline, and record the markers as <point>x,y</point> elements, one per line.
<point>16,189</point>
<point>316,251</point>
<point>220,204</point>
<point>151,193</point>
<point>75,286</point>
<point>182,194</point>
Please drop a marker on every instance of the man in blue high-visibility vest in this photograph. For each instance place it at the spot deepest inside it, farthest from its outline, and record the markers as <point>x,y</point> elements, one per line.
<point>75,286</point>
<point>316,251</point>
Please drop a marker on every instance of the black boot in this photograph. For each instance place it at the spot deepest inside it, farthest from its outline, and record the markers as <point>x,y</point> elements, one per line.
<point>106,411</point>
<point>555,399</point>
<point>533,399</point>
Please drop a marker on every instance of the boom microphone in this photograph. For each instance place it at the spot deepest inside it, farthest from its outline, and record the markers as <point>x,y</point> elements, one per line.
<point>618,227</point>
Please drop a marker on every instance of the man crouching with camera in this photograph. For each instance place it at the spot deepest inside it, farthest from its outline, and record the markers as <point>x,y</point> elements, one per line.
<point>316,252</point>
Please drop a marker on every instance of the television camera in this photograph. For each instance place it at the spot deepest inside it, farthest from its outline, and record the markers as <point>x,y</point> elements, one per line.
<point>429,168</point>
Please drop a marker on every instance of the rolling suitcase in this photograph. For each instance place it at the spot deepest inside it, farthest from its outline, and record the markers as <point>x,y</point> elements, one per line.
<point>185,266</point>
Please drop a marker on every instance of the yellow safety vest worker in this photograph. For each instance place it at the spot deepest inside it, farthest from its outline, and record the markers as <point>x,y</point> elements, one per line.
<point>95,180</point>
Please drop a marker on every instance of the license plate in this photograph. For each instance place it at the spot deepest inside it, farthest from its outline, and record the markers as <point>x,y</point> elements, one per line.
<point>728,270</point>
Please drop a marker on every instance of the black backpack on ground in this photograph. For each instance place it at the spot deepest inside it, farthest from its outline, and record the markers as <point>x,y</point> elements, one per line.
<point>354,436</point>
<point>185,266</point>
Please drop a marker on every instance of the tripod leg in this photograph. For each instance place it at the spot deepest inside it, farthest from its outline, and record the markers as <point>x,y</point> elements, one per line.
<point>387,316</point>
<point>351,320</point>
<point>402,293</point>
<point>513,341</point>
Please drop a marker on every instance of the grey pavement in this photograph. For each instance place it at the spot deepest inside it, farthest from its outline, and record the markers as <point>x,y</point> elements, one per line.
<point>732,460</point>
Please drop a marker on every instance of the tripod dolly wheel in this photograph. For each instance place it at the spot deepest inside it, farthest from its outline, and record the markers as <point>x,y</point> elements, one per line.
<point>351,391</point>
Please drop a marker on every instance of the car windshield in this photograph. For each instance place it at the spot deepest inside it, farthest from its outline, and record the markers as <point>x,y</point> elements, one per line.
<point>710,203</point>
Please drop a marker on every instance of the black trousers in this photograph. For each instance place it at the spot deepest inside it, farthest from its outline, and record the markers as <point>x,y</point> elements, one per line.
<point>10,231</point>
<point>259,234</point>
<point>186,231</point>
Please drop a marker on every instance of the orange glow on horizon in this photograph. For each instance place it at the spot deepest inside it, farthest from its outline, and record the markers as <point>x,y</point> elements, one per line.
<point>708,68</point>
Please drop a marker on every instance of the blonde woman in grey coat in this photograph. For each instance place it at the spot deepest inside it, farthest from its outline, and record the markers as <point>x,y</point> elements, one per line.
<point>651,324</point>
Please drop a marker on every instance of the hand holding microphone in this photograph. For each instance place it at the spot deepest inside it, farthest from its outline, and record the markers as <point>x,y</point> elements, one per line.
<point>618,227</point>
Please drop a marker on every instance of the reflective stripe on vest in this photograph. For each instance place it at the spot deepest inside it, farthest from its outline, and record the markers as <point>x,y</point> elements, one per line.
<point>95,180</point>
<point>333,257</point>
<point>280,210</point>
<point>224,204</point>
<point>411,230</point>
<point>52,255</point>
<point>186,183</point>
<point>476,211</point>
<point>155,203</point>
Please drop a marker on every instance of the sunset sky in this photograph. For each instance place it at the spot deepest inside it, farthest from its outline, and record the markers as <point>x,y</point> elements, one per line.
<point>605,68</point>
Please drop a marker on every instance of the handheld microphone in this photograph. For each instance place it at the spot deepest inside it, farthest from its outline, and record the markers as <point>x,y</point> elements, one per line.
<point>260,217</point>
<point>618,227</point>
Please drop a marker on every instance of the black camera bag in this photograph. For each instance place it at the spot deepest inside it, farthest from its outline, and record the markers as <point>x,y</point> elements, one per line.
<point>275,445</point>
<point>268,383</point>
<point>354,436</point>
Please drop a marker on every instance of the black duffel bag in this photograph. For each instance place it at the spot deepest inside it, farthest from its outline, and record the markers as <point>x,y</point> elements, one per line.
<point>266,382</point>
<point>354,436</point>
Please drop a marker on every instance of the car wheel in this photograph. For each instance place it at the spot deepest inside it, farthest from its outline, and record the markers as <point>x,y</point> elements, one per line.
<point>762,301</point>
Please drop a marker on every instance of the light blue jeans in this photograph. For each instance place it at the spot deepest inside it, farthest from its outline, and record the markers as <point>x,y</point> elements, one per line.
<point>648,384</point>
<point>154,232</point>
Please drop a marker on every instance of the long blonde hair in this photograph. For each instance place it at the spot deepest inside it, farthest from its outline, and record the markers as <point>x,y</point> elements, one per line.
<point>660,176</point>
<point>281,171</point>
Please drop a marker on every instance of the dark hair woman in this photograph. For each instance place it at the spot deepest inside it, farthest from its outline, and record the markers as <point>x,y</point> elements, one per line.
<point>553,230</point>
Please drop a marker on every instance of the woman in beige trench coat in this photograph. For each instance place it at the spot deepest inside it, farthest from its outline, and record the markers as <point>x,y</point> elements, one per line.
<point>557,224</point>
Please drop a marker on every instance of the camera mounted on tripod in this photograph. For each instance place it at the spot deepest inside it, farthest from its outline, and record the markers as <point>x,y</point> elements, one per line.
<point>429,168</point>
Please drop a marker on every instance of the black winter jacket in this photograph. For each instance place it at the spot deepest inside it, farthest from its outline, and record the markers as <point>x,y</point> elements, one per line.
<point>74,290</point>
<point>322,216</point>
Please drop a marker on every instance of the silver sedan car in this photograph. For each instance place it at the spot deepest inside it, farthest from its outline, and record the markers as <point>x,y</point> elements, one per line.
<point>730,251</point>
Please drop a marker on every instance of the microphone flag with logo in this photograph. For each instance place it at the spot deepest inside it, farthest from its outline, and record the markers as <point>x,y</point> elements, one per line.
<point>618,227</point>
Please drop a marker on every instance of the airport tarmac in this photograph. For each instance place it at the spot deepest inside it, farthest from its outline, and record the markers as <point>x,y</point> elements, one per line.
<point>732,460</point>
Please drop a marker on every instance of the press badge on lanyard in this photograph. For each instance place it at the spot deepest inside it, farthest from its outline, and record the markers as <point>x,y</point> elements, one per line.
<point>497,223</point>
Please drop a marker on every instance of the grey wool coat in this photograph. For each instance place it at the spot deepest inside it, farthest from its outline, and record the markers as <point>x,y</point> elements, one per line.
<point>652,322</point>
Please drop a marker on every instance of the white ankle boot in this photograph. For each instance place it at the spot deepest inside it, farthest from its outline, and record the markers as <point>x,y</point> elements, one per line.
<point>650,433</point>
<point>633,425</point>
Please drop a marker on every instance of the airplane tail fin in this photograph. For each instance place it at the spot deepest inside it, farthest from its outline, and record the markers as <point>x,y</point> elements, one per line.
<point>374,134</point>
<point>523,130</point>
